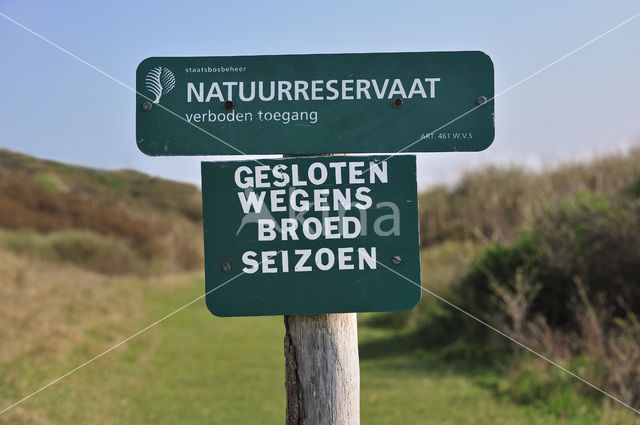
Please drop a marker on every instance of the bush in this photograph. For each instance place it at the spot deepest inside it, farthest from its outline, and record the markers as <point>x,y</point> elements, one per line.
<point>633,188</point>
<point>569,288</point>
<point>47,182</point>
<point>585,238</point>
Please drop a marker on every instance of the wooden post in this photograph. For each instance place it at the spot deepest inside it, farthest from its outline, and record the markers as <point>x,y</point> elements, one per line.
<point>322,369</point>
<point>322,373</point>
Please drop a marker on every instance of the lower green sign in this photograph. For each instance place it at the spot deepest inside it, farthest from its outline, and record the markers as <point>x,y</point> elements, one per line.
<point>311,235</point>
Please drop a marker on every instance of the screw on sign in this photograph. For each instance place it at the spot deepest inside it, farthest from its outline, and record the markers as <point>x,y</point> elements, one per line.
<point>309,237</point>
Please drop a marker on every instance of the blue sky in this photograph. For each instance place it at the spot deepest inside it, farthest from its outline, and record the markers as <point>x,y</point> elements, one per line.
<point>53,106</point>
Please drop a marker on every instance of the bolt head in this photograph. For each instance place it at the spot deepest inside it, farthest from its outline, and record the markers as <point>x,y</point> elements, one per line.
<point>481,100</point>
<point>226,266</point>
<point>146,106</point>
<point>397,102</point>
<point>396,259</point>
<point>228,104</point>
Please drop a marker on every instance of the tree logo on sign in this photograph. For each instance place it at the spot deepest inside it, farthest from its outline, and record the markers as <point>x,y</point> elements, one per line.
<point>159,81</point>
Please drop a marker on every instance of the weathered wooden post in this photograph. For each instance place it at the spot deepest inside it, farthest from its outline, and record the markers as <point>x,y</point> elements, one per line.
<point>322,368</point>
<point>322,378</point>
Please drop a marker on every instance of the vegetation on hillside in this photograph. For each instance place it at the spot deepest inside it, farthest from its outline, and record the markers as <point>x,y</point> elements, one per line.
<point>109,221</point>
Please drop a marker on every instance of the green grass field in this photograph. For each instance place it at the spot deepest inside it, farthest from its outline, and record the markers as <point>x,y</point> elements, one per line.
<point>195,368</point>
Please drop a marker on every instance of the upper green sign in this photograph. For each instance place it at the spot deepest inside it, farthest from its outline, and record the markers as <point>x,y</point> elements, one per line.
<point>311,235</point>
<point>306,104</point>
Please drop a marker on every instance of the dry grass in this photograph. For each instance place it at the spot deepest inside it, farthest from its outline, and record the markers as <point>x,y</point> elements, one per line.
<point>116,222</point>
<point>25,205</point>
<point>127,189</point>
<point>57,304</point>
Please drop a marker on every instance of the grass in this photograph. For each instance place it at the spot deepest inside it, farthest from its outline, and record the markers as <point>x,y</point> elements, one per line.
<point>195,368</point>
<point>407,381</point>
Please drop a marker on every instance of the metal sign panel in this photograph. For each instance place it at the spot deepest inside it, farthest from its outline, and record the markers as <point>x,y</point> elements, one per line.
<point>312,104</point>
<point>311,235</point>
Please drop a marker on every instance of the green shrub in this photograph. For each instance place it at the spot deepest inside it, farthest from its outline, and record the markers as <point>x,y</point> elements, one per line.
<point>109,179</point>
<point>585,238</point>
<point>498,263</point>
<point>47,182</point>
<point>633,188</point>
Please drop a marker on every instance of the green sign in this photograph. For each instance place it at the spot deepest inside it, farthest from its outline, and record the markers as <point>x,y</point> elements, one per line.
<point>310,235</point>
<point>312,104</point>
